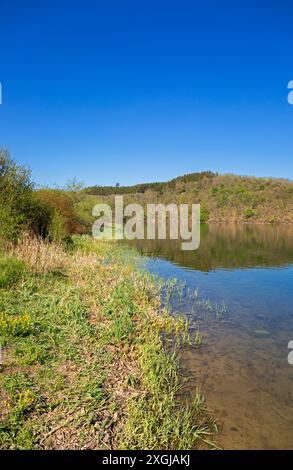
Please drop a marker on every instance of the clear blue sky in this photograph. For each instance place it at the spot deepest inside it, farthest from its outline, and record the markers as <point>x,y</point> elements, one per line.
<point>145,90</point>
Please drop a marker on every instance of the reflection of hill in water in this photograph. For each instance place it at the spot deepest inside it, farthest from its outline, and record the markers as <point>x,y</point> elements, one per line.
<point>229,247</point>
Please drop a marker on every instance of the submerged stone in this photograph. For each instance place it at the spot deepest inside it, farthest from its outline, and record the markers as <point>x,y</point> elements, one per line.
<point>262,332</point>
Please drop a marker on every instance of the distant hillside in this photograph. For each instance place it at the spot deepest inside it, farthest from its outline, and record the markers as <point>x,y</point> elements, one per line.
<point>223,197</point>
<point>143,187</point>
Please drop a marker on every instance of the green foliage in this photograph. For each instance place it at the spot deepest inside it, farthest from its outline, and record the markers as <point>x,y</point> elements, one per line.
<point>47,213</point>
<point>14,432</point>
<point>15,382</point>
<point>63,219</point>
<point>83,209</point>
<point>40,216</point>
<point>204,215</point>
<point>15,194</point>
<point>57,229</point>
<point>248,213</point>
<point>122,327</point>
<point>20,208</point>
<point>14,325</point>
<point>11,270</point>
<point>10,223</point>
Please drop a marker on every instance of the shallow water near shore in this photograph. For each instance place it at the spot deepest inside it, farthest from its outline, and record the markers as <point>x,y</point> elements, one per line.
<point>242,365</point>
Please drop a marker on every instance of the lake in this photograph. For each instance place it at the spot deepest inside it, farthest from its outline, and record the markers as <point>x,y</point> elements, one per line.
<point>242,366</point>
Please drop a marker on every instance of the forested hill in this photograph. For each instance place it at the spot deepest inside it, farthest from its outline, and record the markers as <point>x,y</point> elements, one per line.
<point>143,187</point>
<point>223,198</point>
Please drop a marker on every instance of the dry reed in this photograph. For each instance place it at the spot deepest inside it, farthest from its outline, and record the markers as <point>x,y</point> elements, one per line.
<point>41,256</point>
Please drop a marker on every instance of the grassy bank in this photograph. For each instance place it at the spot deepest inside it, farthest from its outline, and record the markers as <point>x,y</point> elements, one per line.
<point>83,358</point>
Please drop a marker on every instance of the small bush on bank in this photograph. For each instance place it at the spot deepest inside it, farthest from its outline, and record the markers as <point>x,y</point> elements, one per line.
<point>204,215</point>
<point>248,213</point>
<point>64,219</point>
<point>11,270</point>
<point>49,213</point>
<point>15,194</point>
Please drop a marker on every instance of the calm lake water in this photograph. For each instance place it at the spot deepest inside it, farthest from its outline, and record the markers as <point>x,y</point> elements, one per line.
<point>242,366</point>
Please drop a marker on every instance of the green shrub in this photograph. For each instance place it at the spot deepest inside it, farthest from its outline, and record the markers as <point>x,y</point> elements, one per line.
<point>11,270</point>
<point>15,194</point>
<point>83,209</point>
<point>10,223</point>
<point>39,215</point>
<point>57,229</point>
<point>204,215</point>
<point>248,213</point>
<point>64,219</point>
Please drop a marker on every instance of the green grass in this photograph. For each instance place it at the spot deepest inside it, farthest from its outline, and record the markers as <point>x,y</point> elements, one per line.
<point>84,360</point>
<point>11,270</point>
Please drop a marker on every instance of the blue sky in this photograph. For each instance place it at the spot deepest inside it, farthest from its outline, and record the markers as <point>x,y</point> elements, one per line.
<point>133,91</point>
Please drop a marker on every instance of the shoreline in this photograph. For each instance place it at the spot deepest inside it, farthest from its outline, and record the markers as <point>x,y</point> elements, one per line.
<point>85,365</point>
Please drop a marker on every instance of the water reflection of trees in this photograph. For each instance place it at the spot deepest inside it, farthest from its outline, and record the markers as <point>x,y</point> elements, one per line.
<point>229,246</point>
